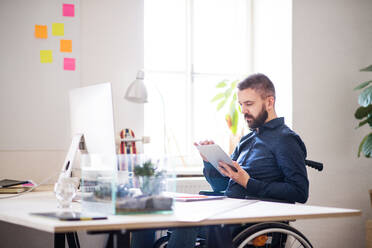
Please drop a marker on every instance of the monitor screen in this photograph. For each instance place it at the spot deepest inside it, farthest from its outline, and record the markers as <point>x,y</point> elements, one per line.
<point>91,113</point>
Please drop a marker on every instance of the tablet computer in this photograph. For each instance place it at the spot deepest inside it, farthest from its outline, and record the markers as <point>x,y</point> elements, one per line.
<point>214,154</point>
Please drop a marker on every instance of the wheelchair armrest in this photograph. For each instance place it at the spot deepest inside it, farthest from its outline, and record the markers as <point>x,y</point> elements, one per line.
<point>313,164</point>
<point>214,193</point>
<point>218,193</point>
<point>267,199</point>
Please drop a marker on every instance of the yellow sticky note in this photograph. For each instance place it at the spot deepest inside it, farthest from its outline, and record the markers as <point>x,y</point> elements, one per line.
<point>41,31</point>
<point>66,46</point>
<point>58,29</point>
<point>46,56</point>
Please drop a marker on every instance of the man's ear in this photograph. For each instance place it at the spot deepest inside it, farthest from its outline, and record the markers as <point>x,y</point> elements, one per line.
<point>270,102</point>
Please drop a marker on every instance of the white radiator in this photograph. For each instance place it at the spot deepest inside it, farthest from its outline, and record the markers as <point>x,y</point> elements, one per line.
<point>191,185</point>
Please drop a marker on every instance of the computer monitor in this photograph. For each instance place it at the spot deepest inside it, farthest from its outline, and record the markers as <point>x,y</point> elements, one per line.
<point>92,121</point>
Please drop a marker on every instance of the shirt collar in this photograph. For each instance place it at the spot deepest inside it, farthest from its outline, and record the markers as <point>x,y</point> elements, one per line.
<point>272,124</point>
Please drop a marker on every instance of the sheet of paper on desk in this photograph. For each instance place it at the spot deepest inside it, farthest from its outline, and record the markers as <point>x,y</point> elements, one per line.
<point>72,216</point>
<point>207,209</point>
<point>189,198</point>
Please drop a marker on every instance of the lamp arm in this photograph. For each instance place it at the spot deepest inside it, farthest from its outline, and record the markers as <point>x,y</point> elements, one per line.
<point>164,124</point>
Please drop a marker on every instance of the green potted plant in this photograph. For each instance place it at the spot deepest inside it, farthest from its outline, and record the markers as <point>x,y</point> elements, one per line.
<point>150,180</point>
<point>226,100</point>
<point>364,114</point>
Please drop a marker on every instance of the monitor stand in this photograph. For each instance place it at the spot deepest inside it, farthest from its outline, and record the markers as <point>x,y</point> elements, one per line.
<point>77,143</point>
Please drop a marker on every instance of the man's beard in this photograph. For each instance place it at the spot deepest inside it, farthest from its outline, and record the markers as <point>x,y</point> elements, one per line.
<point>258,121</point>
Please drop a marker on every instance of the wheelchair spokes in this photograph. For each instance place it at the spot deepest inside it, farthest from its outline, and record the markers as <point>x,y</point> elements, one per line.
<point>271,235</point>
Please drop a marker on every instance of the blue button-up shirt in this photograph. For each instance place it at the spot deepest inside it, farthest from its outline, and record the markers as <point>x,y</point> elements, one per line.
<point>274,157</point>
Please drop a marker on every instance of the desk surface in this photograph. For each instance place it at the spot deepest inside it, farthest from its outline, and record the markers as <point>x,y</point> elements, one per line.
<point>226,211</point>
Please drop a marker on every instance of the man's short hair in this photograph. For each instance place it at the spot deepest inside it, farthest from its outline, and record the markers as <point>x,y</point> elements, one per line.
<point>260,83</point>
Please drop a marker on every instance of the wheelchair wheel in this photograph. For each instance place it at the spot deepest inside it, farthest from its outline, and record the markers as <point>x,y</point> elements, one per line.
<point>163,242</point>
<point>271,234</point>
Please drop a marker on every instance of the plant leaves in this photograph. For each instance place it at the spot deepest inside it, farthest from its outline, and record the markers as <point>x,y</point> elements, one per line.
<point>234,122</point>
<point>221,104</point>
<point>369,119</point>
<point>368,68</point>
<point>233,84</point>
<point>361,145</point>
<point>218,96</point>
<point>367,146</point>
<point>362,112</point>
<point>228,93</point>
<point>221,84</point>
<point>365,98</point>
<point>228,121</point>
<point>362,85</point>
<point>362,123</point>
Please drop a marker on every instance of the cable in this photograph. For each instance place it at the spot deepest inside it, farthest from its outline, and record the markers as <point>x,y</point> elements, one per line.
<point>32,188</point>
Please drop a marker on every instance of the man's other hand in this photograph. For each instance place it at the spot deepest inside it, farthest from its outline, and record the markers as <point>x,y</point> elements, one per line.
<point>202,143</point>
<point>235,172</point>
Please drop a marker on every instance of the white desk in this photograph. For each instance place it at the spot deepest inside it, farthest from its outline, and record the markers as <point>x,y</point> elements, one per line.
<point>212,212</point>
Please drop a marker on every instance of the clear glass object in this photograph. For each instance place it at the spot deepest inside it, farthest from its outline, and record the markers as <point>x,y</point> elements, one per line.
<point>65,190</point>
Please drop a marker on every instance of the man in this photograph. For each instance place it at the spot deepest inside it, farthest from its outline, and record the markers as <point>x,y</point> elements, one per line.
<point>269,161</point>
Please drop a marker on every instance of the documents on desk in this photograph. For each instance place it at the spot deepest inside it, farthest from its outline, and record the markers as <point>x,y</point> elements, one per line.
<point>185,211</point>
<point>189,198</point>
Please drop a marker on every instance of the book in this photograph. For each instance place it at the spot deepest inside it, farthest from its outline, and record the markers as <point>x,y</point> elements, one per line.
<point>13,190</point>
<point>4,183</point>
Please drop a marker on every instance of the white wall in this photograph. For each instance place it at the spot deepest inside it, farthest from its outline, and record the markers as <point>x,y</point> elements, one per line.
<point>110,35</point>
<point>331,42</point>
<point>111,41</point>
<point>272,49</point>
<point>112,50</point>
<point>34,125</point>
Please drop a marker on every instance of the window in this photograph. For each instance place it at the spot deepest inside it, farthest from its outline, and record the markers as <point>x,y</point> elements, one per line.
<point>190,46</point>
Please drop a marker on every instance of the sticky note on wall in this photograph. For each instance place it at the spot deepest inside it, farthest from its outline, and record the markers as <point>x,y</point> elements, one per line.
<point>68,10</point>
<point>46,56</point>
<point>69,64</point>
<point>66,46</point>
<point>58,29</point>
<point>41,31</point>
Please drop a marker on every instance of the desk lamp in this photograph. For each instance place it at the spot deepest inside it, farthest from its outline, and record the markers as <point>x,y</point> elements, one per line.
<point>137,93</point>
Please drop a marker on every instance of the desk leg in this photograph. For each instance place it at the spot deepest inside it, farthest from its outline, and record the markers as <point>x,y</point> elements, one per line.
<point>59,240</point>
<point>72,240</point>
<point>123,239</point>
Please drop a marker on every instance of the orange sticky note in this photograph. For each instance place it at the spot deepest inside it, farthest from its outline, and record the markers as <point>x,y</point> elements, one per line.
<point>66,46</point>
<point>41,31</point>
<point>58,29</point>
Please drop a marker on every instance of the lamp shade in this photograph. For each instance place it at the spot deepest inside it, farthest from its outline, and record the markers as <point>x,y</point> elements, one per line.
<point>137,91</point>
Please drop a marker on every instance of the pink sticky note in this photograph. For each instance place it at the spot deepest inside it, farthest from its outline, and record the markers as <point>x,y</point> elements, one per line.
<point>69,64</point>
<point>68,10</point>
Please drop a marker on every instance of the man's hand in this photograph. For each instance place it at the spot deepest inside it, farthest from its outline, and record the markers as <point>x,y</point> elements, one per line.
<point>235,172</point>
<point>202,143</point>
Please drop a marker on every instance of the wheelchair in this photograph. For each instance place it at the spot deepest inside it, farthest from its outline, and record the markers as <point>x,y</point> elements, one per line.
<point>265,234</point>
